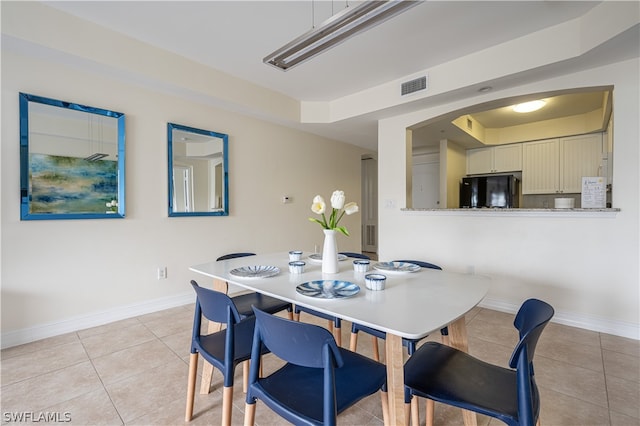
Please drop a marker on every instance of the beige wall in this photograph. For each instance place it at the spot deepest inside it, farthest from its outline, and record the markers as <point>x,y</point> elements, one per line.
<point>59,275</point>
<point>585,265</point>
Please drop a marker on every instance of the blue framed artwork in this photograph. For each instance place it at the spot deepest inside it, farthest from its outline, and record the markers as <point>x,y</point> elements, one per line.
<point>71,160</point>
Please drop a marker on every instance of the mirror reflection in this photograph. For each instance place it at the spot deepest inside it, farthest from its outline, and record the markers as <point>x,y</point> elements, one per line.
<point>71,160</point>
<point>198,183</point>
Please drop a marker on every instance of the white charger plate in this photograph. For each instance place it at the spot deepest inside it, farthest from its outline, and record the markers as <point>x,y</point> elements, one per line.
<point>328,289</point>
<point>317,258</point>
<point>397,267</point>
<point>258,271</point>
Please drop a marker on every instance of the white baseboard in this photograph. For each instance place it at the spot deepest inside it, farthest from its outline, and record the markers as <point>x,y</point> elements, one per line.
<point>31,334</point>
<point>43,331</point>
<point>601,325</point>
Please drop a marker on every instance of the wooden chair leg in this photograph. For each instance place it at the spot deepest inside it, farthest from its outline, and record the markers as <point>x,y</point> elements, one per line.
<point>384,396</point>
<point>430,404</point>
<point>227,403</point>
<point>353,342</point>
<point>290,314</point>
<point>245,376</point>
<point>376,352</point>
<point>337,334</point>
<point>249,414</point>
<point>407,412</point>
<point>415,411</point>
<point>444,338</point>
<point>191,386</point>
<point>296,316</point>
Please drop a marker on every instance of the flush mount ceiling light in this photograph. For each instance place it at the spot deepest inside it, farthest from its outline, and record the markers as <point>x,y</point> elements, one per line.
<point>335,30</point>
<point>529,106</point>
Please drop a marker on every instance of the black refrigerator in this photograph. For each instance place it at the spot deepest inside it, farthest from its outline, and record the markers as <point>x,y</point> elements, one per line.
<point>490,192</point>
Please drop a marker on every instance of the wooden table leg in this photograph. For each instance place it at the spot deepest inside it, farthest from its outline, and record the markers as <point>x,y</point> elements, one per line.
<point>395,380</point>
<point>207,369</point>
<point>458,340</point>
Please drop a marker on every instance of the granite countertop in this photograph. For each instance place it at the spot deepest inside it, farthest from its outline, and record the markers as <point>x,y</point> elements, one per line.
<point>513,210</point>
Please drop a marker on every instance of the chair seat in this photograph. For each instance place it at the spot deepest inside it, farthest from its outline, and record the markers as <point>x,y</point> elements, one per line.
<point>212,347</point>
<point>299,388</point>
<point>268,304</point>
<point>480,385</point>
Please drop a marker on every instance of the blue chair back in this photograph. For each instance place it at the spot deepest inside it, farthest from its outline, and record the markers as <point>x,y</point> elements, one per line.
<point>355,255</point>
<point>234,255</point>
<point>531,319</point>
<point>215,306</point>
<point>422,264</point>
<point>299,343</point>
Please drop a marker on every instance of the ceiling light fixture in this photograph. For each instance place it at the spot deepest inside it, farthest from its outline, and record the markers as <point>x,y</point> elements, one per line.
<point>529,106</point>
<point>335,30</point>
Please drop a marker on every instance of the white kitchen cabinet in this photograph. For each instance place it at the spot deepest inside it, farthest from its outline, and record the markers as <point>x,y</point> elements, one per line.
<point>557,165</point>
<point>497,159</point>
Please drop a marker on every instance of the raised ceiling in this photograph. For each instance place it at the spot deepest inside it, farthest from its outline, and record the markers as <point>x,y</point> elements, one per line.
<point>234,36</point>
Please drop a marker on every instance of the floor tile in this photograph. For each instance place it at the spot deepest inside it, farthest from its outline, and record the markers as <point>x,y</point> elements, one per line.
<point>92,408</point>
<point>621,365</point>
<point>34,364</point>
<point>620,344</point>
<point>117,339</point>
<point>39,345</point>
<point>143,393</point>
<point>571,380</point>
<point>50,389</point>
<point>624,396</point>
<point>559,409</point>
<point>105,328</point>
<point>133,361</point>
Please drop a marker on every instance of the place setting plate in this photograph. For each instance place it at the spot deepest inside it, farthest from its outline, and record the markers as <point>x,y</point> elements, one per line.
<point>397,267</point>
<point>317,257</point>
<point>257,271</point>
<point>328,289</point>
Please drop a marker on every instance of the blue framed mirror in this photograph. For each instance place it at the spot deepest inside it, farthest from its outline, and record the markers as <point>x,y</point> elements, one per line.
<point>71,160</point>
<point>198,172</point>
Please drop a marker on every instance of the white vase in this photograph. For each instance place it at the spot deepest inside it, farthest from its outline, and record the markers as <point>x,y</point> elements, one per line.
<point>329,252</point>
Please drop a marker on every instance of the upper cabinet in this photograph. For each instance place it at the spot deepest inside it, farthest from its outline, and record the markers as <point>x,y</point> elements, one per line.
<point>497,159</point>
<point>558,165</point>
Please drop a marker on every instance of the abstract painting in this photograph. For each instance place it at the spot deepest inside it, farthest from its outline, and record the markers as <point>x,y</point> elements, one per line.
<point>62,185</point>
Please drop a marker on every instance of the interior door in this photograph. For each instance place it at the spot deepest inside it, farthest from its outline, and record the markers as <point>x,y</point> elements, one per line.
<point>369,205</point>
<point>426,186</point>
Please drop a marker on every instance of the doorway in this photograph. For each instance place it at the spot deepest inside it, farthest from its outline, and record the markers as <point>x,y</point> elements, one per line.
<point>369,195</point>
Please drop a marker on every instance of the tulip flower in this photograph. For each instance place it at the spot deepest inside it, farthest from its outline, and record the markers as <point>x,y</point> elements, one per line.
<point>338,209</point>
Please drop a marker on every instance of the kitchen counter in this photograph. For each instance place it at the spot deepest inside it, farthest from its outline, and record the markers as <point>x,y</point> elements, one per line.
<point>549,212</point>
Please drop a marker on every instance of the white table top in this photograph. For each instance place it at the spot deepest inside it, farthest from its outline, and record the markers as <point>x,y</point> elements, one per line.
<point>412,305</point>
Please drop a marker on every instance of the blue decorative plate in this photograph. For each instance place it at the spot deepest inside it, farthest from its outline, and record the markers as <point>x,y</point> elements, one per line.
<point>397,267</point>
<point>328,289</point>
<point>317,257</point>
<point>259,271</point>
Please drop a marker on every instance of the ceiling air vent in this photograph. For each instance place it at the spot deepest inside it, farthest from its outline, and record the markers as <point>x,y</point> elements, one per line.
<point>414,85</point>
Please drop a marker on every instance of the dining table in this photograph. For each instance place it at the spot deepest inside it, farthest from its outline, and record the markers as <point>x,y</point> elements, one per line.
<point>414,303</point>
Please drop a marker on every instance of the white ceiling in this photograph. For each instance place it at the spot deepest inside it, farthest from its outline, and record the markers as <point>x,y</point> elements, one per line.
<point>234,36</point>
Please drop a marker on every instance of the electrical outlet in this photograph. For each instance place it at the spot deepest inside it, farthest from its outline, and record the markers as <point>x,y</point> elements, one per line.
<point>162,273</point>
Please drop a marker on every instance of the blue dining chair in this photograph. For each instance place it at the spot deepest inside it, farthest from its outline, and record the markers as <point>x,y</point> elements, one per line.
<point>410,344</point>
<point>244,302</point>
<point>223,349</point>
<point>447,375</point>
<point>355,255</point>
<point>334,323</point>
<point>319,380</point>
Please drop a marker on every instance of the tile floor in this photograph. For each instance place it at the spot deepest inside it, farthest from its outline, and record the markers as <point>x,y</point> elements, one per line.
<point>134,372</point>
